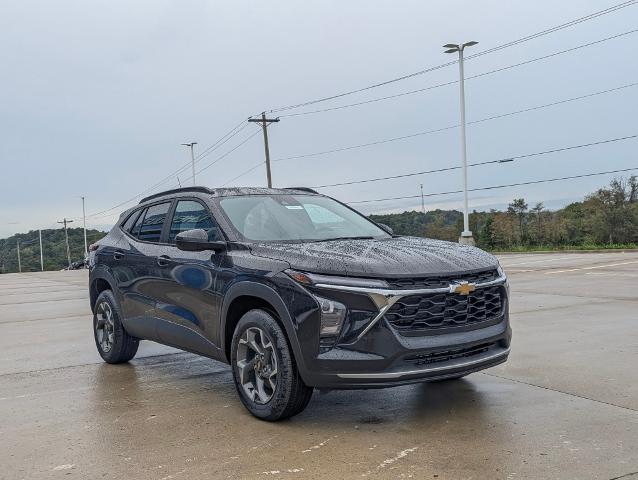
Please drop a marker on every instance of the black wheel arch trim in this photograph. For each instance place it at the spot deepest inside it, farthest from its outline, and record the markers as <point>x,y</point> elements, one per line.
<point>100,273</point>
<point>269,295</point>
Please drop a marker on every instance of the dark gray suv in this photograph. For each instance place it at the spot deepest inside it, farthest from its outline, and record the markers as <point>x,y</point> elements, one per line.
<point>295,291</point>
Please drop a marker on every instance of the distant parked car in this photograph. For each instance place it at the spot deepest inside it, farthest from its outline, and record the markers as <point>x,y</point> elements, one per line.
<point>295,291</point>
<point>76,265</point>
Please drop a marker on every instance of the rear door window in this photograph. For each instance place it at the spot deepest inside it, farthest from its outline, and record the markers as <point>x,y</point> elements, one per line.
<point>151,228</point>
<point>128,224</point>
<point>189,215</point>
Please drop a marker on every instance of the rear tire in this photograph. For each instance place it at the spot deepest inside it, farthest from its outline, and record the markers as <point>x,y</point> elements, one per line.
<point>264,369</point>
<point>113,343</point>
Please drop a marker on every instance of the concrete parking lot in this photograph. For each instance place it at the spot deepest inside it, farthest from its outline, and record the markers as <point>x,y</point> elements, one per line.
<point>565,406</point>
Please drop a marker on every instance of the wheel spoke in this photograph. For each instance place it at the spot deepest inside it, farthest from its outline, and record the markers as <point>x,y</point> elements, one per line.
<point>261,391</point>
<point>245,369</point>
<point>253,342</point>
<point>251,391</point>
<point>272,380</point>
<point>268,350</point>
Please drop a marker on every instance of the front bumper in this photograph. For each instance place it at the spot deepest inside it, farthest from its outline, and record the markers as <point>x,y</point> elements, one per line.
<point>399,360</point>
<point>377,355</point>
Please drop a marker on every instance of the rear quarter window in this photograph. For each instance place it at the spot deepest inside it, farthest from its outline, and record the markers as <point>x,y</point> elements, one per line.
<point>130,221</point>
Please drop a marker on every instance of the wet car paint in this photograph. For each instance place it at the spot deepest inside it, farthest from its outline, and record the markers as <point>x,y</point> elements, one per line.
<point>185,302</point>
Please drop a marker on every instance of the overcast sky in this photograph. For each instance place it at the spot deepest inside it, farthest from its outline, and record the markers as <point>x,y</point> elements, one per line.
<point>96,97</point>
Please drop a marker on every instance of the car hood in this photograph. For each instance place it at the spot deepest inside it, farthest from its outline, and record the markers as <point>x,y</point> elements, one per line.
<point>392,257</point>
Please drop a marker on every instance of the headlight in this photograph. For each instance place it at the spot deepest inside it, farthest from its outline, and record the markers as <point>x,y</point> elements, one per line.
<point>333,314</point>
<point>501,273</point>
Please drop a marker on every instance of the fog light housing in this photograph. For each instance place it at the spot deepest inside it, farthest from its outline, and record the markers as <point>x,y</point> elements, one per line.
<point>333,314</point>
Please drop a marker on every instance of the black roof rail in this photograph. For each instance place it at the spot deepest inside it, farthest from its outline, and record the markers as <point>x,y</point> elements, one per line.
<point>303,189</point>
<point>178,190</point>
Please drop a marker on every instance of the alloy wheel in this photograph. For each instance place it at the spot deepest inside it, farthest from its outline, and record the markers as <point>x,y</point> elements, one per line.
<point>257,365</point>
<point>105,327</point>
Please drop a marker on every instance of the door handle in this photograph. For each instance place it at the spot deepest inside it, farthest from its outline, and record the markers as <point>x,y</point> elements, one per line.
<point>163,260</point>
<point>117,255</point>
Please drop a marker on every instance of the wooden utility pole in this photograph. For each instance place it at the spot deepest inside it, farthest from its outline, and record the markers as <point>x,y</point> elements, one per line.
<point>264,125</point>
<point>41,252</point>
<point>66,236</point>
<point>18,250</point>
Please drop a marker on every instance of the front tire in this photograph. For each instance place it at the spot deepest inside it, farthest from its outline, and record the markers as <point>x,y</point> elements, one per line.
<point>113,343</point>
<point>264,369</point>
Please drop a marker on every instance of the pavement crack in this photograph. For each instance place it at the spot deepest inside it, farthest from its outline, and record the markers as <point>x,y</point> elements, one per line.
<point>563,392</point>
<point>626,475</point>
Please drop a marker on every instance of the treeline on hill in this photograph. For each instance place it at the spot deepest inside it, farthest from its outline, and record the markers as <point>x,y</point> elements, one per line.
<point>605,218</point>
<point>53,247</point>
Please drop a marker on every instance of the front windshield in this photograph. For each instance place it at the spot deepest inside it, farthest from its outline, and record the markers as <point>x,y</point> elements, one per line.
<point>276,218</point>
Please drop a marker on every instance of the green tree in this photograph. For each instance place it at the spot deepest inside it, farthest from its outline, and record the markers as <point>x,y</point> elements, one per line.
<point>518,207</point>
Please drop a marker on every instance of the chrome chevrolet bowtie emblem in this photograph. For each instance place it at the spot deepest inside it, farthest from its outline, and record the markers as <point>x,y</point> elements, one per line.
<point>462,288</point>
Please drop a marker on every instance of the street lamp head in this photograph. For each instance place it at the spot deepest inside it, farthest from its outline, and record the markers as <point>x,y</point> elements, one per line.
<point>470,44</point>
<point>450,45</point>
<point>452,50</point>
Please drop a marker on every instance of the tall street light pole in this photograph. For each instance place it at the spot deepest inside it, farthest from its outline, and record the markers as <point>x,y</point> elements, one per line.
<point>86,248</point>
<point>191,145</point>
<point>466,235</point>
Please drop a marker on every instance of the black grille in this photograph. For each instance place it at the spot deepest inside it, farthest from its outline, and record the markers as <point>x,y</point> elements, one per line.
<point>423,313</point>
<point>444,356</point>
<point>442,281</point>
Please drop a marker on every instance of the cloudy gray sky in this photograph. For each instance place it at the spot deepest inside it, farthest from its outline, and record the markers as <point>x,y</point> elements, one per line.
<point>97,96</point>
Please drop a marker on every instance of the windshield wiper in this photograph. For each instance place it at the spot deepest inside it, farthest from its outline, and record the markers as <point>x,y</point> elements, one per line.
<point>346,238</point>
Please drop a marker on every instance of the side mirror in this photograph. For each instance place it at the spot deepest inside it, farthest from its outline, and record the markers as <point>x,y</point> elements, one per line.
<point>386,228</point>
<point>196,240</point>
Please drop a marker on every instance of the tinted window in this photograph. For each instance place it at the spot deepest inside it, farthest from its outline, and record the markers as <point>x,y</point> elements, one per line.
<point>189,215</point>
<point>130,221</point>
<point>153,223</point>
<point>138,224</point>
<point>273,218</point>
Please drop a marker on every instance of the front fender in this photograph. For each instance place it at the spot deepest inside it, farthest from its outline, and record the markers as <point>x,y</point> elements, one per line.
<point>270,295</point>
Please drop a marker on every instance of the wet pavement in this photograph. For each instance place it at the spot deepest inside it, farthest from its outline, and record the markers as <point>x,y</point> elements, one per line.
<point>565,406</point>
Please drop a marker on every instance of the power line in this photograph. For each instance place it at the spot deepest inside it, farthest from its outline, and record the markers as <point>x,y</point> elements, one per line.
<point>450,127</point>
<point>235,130</point>
<point>494,187</point>
<point>209,150</point>
<point>452,82</point>
<point>548,31</point>
<point>220,158</point>
<point>229,152</point>
<point>244,173</point>
<point>501,160</point>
